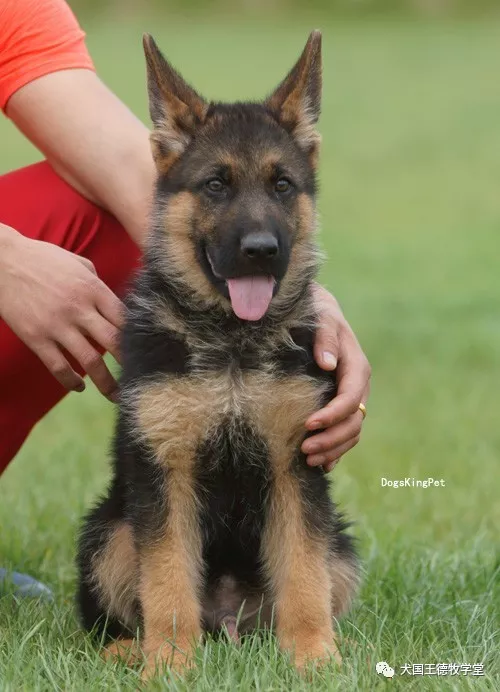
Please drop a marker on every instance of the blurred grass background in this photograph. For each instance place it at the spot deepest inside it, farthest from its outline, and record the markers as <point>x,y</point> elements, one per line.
<point>410,208</point>
<point>330,8</point>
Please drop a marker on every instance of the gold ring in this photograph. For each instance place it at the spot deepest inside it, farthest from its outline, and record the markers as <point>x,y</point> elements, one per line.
<point>362,408</point>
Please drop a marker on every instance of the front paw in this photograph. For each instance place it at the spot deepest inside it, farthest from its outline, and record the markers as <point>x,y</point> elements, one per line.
<point>315,648</point>
<point>177,658</point>
<point>126,650</point>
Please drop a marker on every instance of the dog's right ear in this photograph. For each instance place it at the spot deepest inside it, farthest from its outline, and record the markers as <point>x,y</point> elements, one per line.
<point>175,108</point>
<point>296,101</point>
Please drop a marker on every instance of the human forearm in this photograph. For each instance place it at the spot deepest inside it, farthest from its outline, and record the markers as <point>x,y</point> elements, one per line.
<point>93,141</point>
<point>7,238</point>
<point>56,304</point>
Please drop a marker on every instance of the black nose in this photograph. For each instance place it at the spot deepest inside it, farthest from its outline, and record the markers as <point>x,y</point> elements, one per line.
<point>259,245</point>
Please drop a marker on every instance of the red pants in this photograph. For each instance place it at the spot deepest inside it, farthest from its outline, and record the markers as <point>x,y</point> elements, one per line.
<point>40,205</point>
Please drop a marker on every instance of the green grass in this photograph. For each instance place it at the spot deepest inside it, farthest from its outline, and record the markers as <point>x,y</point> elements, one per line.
<point>410,210</point>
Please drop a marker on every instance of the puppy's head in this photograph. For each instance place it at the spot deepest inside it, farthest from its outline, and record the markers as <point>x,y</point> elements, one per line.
<point>234,214</point>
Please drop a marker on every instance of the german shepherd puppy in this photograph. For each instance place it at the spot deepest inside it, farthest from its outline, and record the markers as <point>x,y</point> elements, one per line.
<point>213,518</point>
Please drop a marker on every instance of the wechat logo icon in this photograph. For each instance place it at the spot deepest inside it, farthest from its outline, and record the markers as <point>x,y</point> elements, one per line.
<point>384,669</point>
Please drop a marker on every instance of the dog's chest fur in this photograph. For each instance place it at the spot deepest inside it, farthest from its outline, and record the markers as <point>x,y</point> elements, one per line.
<point>238,386</point>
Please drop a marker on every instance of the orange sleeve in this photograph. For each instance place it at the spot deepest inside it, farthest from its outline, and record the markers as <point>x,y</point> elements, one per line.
<point>37,37</point>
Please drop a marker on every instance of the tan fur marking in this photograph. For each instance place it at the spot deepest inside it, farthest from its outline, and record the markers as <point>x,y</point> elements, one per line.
<point>178,413</point>
<point>177,220</point>
<point>280,407</point>
<point>179,214</point>
<point>171,569</point>
<point>306,216</point>
<point>115,571</point>
<point>305,131</point>
<point>299,577</point>
<point>269,162</point>
<point>170,581</point>
<point>163,162</point>
<point>127,650</point>
<point>174,416</point>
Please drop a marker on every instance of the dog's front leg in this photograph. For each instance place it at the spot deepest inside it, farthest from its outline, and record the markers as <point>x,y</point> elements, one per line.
<point>296,562</point>
<point>170,571</point>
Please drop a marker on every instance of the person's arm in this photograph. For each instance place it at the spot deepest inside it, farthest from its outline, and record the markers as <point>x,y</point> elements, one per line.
<point>336,348</point>
<point>92,140</point>
<point>53,300</point>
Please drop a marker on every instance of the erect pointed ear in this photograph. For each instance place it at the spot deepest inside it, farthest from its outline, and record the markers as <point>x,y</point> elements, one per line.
<point>297,100</point>
<point>175,108</point>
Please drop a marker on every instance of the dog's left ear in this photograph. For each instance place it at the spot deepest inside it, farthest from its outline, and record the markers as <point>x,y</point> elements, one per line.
<point>297,100</point>
<point>175,108</point>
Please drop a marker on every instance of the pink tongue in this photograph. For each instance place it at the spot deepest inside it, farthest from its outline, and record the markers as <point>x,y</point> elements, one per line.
<point>250,296</point>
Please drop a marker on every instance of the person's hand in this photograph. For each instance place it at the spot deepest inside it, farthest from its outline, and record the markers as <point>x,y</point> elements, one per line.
<point>336,348</point>
<point>55,303</point>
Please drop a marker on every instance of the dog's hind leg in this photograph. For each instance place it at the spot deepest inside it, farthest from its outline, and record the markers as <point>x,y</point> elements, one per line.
<point>300,579</point>
<point>108,573</point>
<point>344,575</point>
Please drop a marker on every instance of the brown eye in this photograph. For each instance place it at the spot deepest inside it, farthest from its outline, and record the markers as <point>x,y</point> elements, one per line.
<point>282,185</point>
<point>215,185</point>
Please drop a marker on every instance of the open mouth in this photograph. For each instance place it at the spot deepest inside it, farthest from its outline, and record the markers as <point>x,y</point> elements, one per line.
<point>250,296</point>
